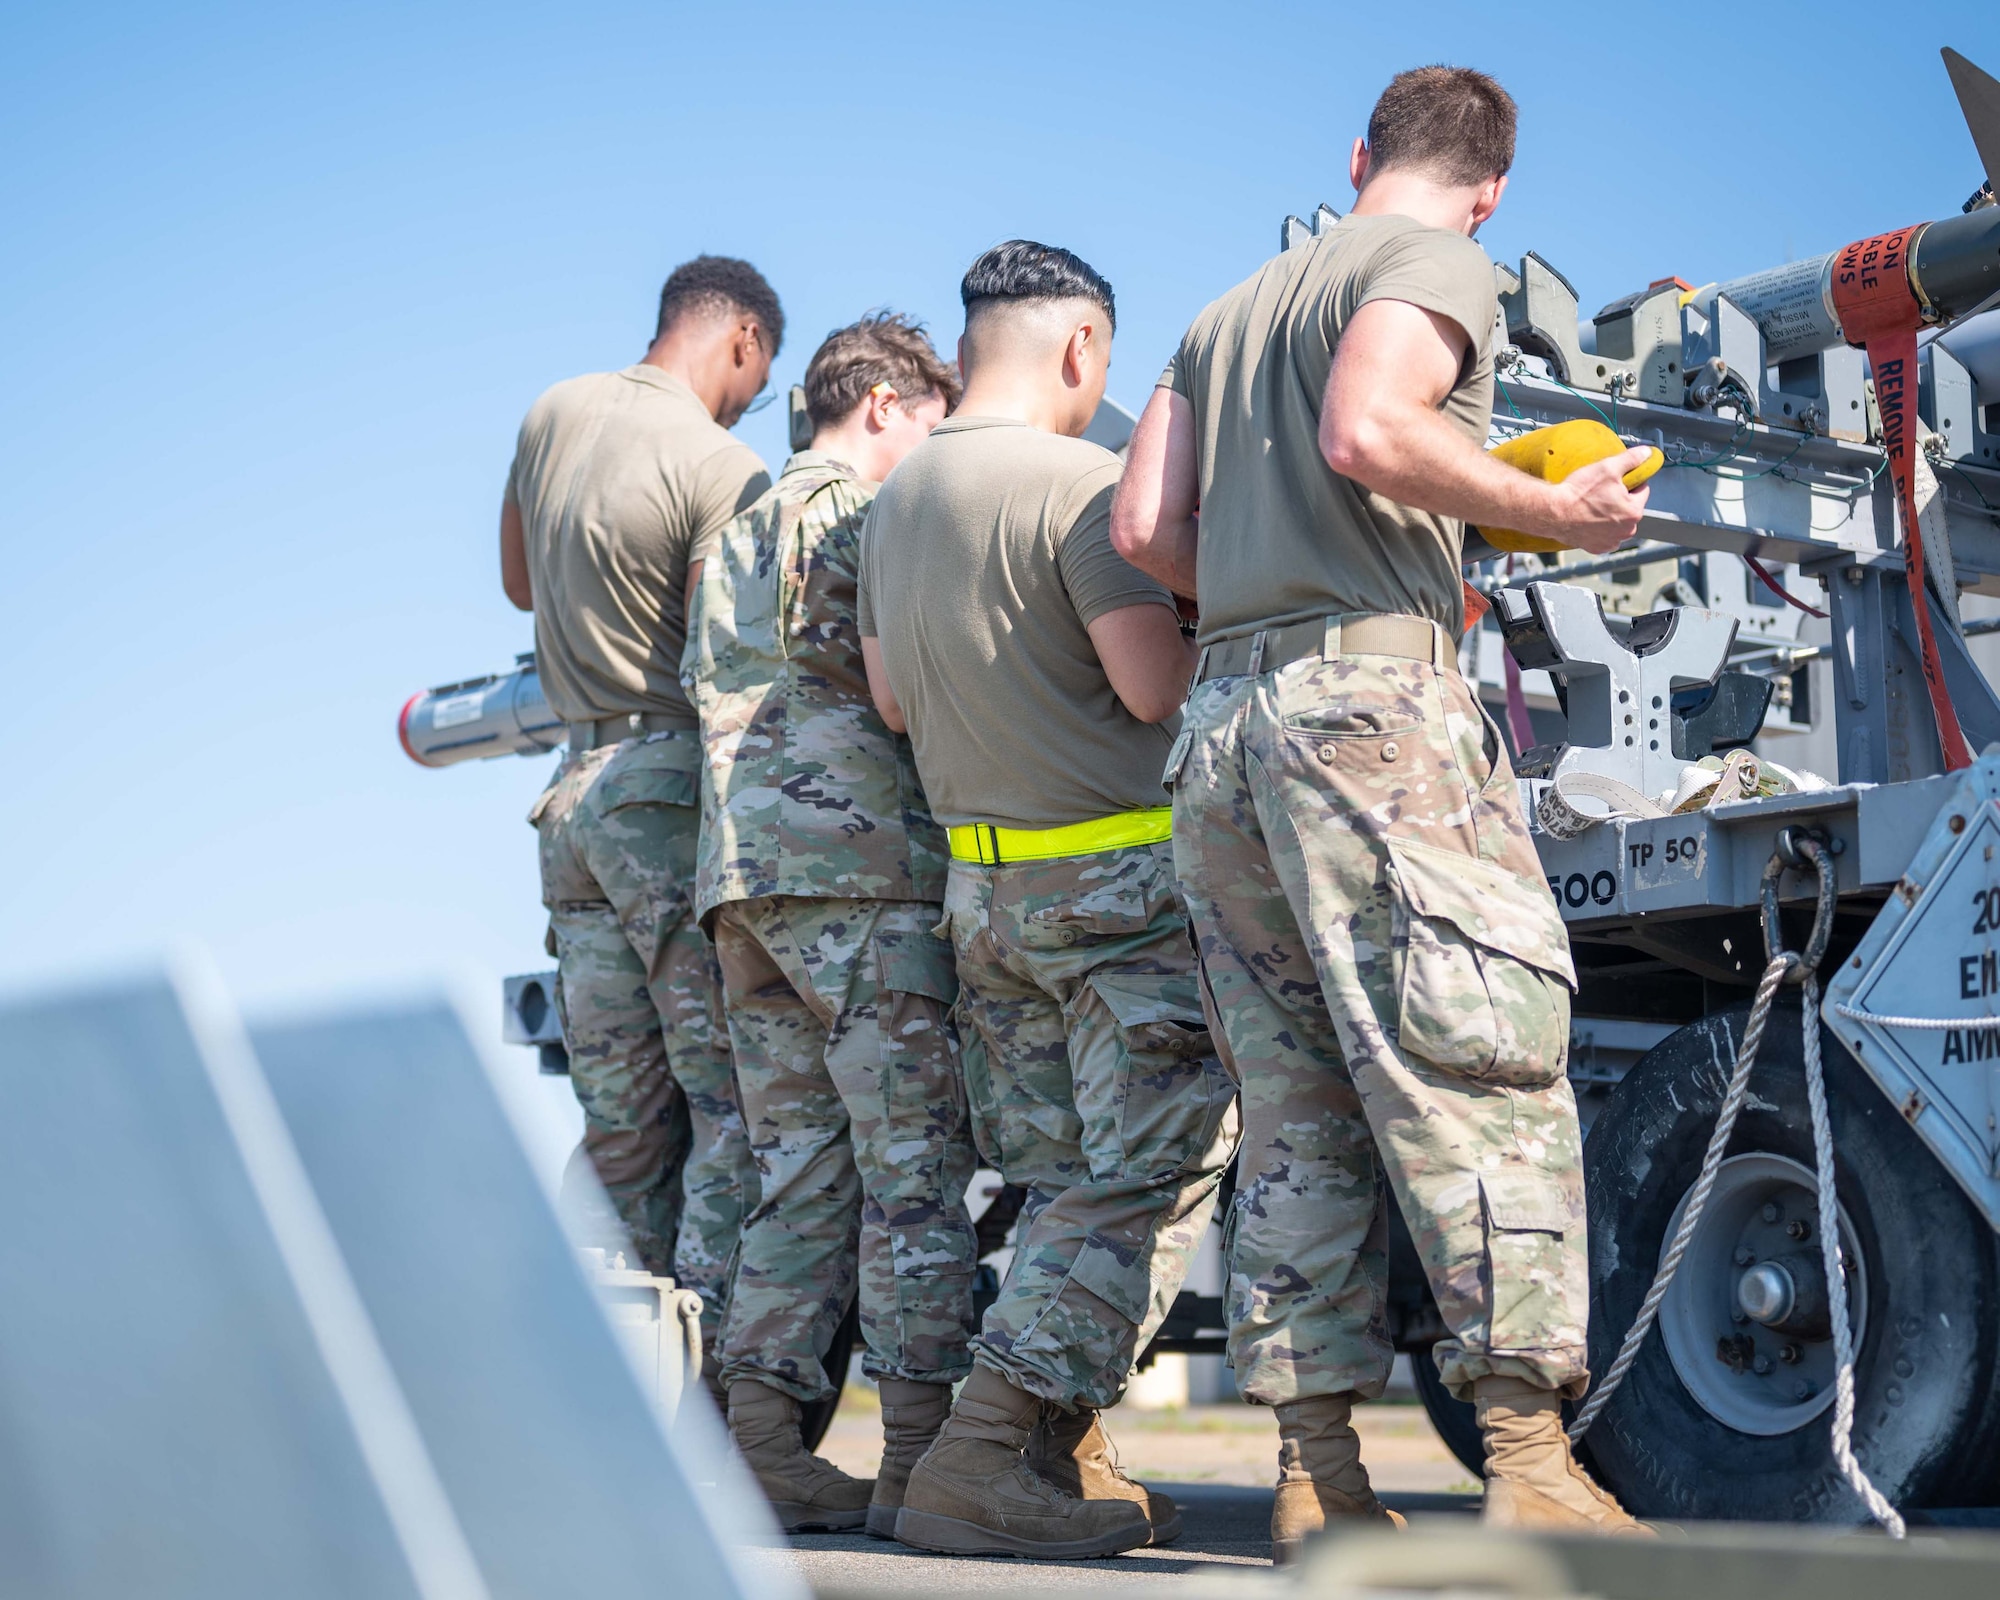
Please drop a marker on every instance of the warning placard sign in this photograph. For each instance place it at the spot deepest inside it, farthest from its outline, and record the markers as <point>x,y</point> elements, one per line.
<point>1919,1000</point>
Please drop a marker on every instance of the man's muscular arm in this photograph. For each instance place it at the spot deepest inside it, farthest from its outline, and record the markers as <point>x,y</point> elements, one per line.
<point>1379,425</point>
<point>1147,660</point>
<point>1153,516</point>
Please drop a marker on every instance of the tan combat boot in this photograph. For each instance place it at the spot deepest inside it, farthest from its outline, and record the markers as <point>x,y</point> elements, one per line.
<point>972,1494</point>
<point>1532,1480</point>
<point>912,1413</point>
<point>1320,1475</point>
<point>807,1495</point>
<point>1071,1450</point>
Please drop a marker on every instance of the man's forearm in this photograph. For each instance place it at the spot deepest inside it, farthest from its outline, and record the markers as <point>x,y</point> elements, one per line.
<point>1169,555</point>
<point>1153,515</point>
<point>1412,455</point>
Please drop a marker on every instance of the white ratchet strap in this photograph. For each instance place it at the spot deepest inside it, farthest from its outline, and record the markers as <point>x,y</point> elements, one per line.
<point>1561,819</point>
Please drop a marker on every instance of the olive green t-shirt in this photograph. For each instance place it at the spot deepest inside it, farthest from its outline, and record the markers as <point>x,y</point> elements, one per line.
<point>1285,538</point>
<point>984,559</point>
<point>623,480</point>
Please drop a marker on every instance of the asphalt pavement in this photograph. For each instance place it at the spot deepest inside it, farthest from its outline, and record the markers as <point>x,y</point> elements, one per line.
<point>1225,1534</point>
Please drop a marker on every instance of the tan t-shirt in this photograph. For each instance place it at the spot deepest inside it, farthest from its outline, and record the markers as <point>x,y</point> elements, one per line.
<point>623,480</point>
<point>1284,537</point>
<point>983,561</point>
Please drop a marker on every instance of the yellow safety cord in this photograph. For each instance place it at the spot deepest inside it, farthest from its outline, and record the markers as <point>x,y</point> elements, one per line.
<point>1552,454</point>
<point>990,846</point>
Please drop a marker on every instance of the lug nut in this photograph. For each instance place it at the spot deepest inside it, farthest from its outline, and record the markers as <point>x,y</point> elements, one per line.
<point>1745,1256</point>
<point>1791,1354</point>
<point>1802,1390</point>
<point>1799,1228</point>
<point>1773,1212</point>
<point>1761,1366</point>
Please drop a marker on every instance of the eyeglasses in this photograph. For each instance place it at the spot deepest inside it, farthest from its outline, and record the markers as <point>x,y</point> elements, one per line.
<point>763,398</point>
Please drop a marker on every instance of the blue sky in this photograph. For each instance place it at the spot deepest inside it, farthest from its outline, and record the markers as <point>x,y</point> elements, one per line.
<point>278,286</point>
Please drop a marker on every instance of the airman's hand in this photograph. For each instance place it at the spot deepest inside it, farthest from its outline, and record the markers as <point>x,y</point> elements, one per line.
<point>1592,509</point>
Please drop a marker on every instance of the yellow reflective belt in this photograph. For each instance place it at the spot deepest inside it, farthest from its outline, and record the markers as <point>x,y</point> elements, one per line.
<point>990,846</point>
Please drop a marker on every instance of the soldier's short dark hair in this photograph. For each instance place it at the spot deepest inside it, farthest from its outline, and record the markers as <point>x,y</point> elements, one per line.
<point>1021,270</point>
<point>1451,122</point>
<point>718,285</point>
<point>883,347</point>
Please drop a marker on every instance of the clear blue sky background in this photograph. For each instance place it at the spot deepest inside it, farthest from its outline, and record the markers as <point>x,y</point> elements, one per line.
<point>277,288</point>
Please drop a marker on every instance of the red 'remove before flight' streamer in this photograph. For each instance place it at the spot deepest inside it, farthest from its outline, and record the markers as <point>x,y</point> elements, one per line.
<point>1879,312</point>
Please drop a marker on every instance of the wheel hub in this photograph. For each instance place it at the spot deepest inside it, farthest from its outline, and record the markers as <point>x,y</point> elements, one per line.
<point>1746,1323</point>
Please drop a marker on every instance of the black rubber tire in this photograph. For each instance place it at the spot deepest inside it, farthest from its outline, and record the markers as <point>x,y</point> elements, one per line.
<point>1925,1376</point>
<point>816,1418</point>
<point>1456,1422</point>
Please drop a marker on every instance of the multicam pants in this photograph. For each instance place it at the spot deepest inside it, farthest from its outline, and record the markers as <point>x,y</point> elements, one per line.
<point>637,992</point>
<point>839,1012</point>
<point>1093,1085</point>
<point>1393,983</point>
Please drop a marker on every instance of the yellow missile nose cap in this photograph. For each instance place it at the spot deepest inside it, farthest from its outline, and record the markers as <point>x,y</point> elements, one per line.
<point>1552,454</point>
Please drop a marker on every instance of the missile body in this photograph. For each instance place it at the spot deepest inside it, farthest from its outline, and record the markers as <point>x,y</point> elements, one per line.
<point>500,714</point>
<point>1954,269</point>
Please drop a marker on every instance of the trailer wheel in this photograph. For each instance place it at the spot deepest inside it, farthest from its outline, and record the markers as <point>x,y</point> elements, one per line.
<point>1725,1413</point>
<point>816,1418</point>
<point>1456,1421</point>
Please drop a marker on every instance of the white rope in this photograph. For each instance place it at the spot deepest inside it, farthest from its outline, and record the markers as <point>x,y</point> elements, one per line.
<point>1836,1281</point>
<point>1829,1232</point>
<point>1711,1162</point>
<point>1930,1024</point>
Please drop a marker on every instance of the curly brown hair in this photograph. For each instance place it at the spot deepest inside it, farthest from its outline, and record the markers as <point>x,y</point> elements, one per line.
<point>883,347</point>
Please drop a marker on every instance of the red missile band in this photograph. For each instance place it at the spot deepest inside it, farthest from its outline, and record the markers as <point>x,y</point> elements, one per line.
<point>1879,312</point>
<point>403,730</point>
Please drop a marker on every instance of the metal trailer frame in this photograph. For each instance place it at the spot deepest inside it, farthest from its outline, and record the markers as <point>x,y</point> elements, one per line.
<point>1665,908</point>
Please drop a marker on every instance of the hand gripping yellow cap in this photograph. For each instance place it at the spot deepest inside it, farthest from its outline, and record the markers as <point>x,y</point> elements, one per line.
<point>1552,454</point>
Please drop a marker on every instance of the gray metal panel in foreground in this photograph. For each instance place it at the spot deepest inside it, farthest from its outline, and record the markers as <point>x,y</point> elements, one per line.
<point>552,1457</point>
<point>167,1424</point>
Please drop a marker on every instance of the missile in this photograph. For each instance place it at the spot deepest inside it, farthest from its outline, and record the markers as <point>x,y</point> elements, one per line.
<point>1953,264</point>
<point>501,714</point>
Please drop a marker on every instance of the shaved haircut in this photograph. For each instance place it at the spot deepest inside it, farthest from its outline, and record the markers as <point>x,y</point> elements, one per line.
<point>1021,295</point>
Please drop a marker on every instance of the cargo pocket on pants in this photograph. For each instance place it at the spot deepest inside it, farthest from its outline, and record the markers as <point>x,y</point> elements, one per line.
<point>1178,1110</point>
<point>922,1084</point>
<point>1482,968</point>
<point>917,963</point>
<point>1528,1221</point>
<point>1123,1283</point>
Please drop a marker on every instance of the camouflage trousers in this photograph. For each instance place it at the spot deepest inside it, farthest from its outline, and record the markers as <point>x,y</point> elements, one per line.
<point>1093,1085</point>
<point>638,995</point>
<point>847,1066</point>
<point>1392,981</point>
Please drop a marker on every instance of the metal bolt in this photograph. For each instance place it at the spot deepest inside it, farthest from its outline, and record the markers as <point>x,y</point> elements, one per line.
<point>1773,1212</point>
<point>1761,1366</point>
<point>1799,1228</point>
<point>1745,1255</point>
<point>1790,1354</point>
<point>1802,1390</point>
<point>1739,1317</point>
<point>1957,824</point>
